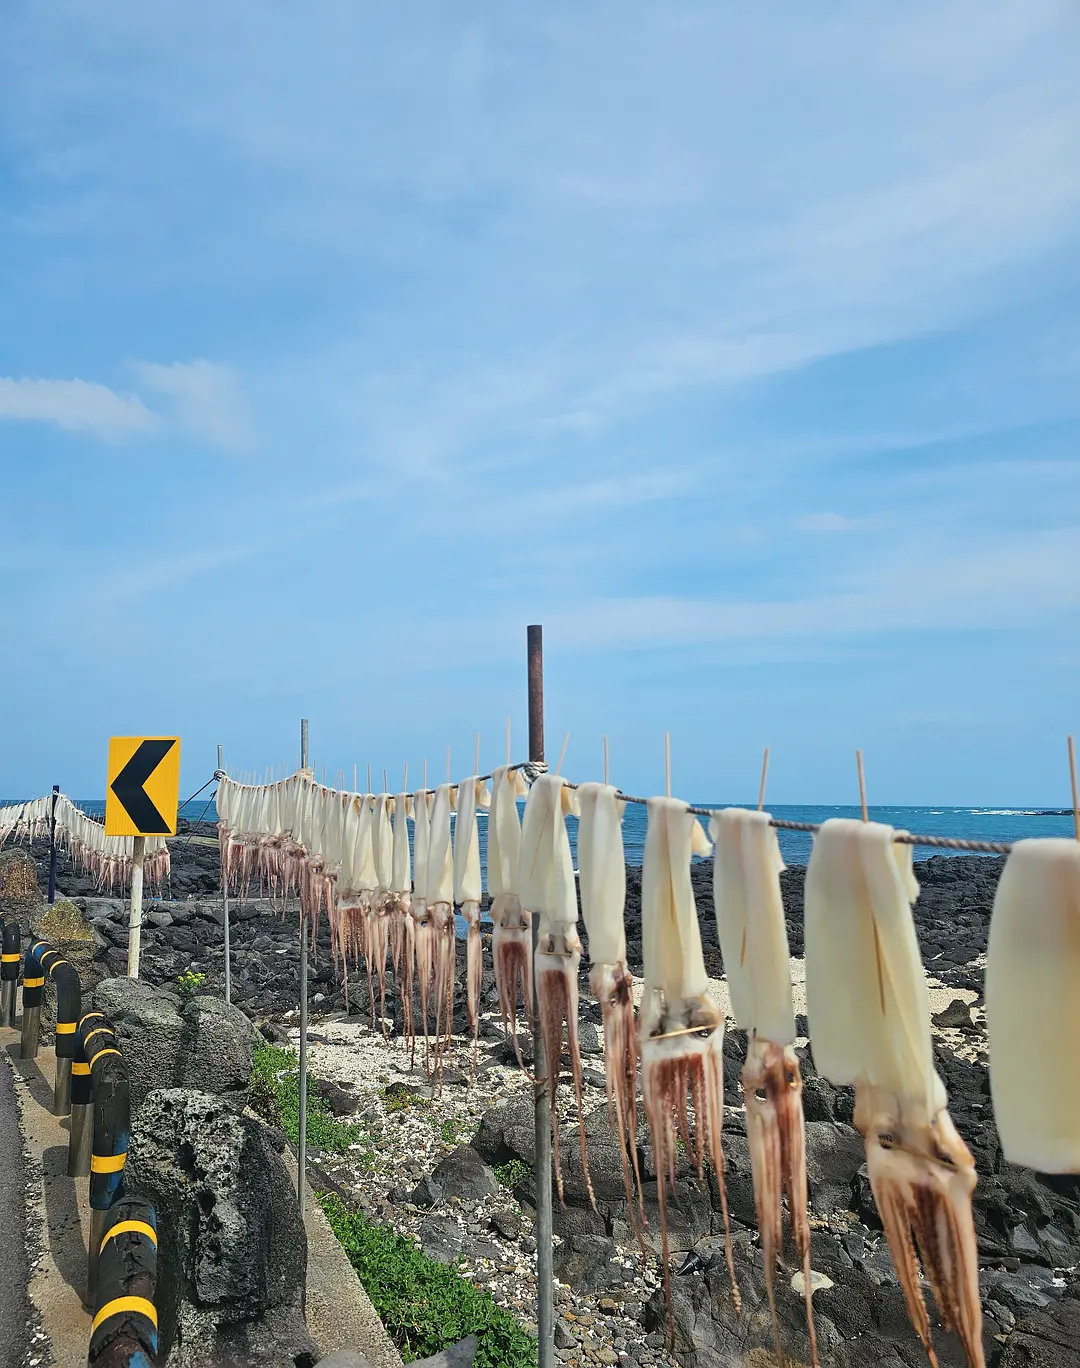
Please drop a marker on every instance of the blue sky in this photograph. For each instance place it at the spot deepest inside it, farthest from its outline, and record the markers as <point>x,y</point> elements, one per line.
<point>740,349</point>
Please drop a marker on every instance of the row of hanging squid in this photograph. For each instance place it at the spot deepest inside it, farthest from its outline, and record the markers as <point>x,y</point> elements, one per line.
<point>106,859</point>
<point>867,996</point>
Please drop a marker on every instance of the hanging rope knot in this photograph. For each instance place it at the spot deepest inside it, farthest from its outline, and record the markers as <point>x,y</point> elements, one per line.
<point>533,769</point>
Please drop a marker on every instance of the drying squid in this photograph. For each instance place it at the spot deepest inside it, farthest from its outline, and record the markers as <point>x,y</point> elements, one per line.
<point>440,903</point>
<point>356,911</point>
<point>382,840</point>
<point>402,952</point>
<point>547,889</point>
<point>753,940</point>
<point>1033,1005</point>
<point>680,1032</point>
<point>468,890</point>
<point>423,928</point>
<point>869,1013</point>
<point>602,876</point>
<point>511,938</point>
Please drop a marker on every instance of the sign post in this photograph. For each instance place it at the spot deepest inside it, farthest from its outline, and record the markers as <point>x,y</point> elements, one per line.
<point>141,800</point>
<point>225,901</point>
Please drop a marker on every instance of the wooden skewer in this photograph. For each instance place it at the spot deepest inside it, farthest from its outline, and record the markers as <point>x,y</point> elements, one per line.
<point>324,774</point>
<point>476,763</point>
<point>667,763</point>
<point>385,785</point>
<point>405,778</point>
<point>605,761</point>
<point>562,753</point>
<point>448,764</point>
<point>425,771</point>
<point>764,772</point>
<point>369,777</point>
<point>507,738</point>
<point>354,777</point>
<point>1075,791</point>
<point>862,786</point>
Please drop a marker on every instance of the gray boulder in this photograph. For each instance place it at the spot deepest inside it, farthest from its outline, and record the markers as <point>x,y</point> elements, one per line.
<point>464,1174</point>
<point>169,1043</point>
<point>232,1252</point>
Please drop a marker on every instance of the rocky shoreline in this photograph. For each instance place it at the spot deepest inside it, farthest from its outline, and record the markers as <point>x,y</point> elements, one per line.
<point>452,1168</point>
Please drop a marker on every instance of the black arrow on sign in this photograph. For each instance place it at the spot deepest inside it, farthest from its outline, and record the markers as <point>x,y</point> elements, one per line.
<point>128,786</point>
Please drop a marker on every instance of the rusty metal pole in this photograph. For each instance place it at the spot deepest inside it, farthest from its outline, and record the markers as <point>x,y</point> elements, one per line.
<point>301,1148</point>
<point>545,1274</point>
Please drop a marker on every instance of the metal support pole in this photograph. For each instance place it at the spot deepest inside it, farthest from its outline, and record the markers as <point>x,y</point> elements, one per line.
<point>31,1030</point>
<point>545,1273</point>
<point>97,1234</point>
<point>62,1088</point>
<point>81,1139</point>
<point>301,1158</point>
<point>225,912</point>
<point>52,845</point>
<point>7,1002</point>
<point>138,855</point>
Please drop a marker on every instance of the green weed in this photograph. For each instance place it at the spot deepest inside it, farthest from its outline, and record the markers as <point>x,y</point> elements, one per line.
<point>513,1172</point>
<point>425,1305</point>
<point>274,1092</point>
<point>189,983</point>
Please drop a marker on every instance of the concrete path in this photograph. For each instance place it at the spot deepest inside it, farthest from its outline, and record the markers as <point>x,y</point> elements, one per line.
<point>57,1211</point>
<point>14,1305</point>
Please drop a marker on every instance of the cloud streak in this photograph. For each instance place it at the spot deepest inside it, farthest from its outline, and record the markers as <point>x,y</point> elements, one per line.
<point>75,405</point>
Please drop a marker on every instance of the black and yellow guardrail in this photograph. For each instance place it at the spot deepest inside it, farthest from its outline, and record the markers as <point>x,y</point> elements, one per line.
<point>125,1326</point>
<point>92,1082</point>
<point>10,955</point>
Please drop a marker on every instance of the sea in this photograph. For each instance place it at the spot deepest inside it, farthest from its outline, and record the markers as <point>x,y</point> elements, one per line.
<point>972,823</point>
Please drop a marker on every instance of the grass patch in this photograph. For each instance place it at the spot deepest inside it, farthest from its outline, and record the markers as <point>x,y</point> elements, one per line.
<point>450,1132</point>
<point>425,1305</point>
<point>513,1172</point>
<point>275,1095</point>
<point>64,922</point>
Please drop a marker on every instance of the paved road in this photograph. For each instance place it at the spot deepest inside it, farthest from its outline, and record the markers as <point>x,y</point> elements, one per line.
<point>14,1304</point>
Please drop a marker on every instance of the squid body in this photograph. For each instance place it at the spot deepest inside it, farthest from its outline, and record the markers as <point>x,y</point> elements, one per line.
<point>469,890</point>
<point>511,939</point>
<point>547,888</point>
<point>753,940</point>
<point>602,876</point>
<point>1033,1005</point>
<point>869,1013</point>
<point>680,1032</point>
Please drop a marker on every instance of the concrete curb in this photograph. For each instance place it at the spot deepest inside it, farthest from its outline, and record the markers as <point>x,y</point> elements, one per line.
<point>339,1313</point>
<point>58,1205</point>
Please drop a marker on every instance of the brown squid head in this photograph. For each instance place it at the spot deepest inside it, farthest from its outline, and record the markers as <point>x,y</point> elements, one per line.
<point>775,1131</point>
<point>613,987</point>
<point>558,955</point>
<point>474,970</point>
<point>922,1176</point>
<point>511,950</point>
<point>682,1066</point>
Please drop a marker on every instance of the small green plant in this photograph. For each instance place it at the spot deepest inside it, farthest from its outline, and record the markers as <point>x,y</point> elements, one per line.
<point>189,983</point>
<point>513,1172</point>
<point>425,1305</point>
<point>274,1092</point>
<point>450,1131</point>
<point>397,1099</point>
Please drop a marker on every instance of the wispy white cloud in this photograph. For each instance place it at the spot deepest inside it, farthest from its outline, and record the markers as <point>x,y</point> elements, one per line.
<point>77,405</point>
<point>204,397</point>
<point>201,397</point>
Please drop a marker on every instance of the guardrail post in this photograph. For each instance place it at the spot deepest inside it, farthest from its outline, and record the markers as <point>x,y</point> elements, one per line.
<point>68,1010</point>
<point>32,994</point>
<point>125,1325</point>
<point>9,971</point>
<point>112,1121</point>
<point>82,1112</point>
